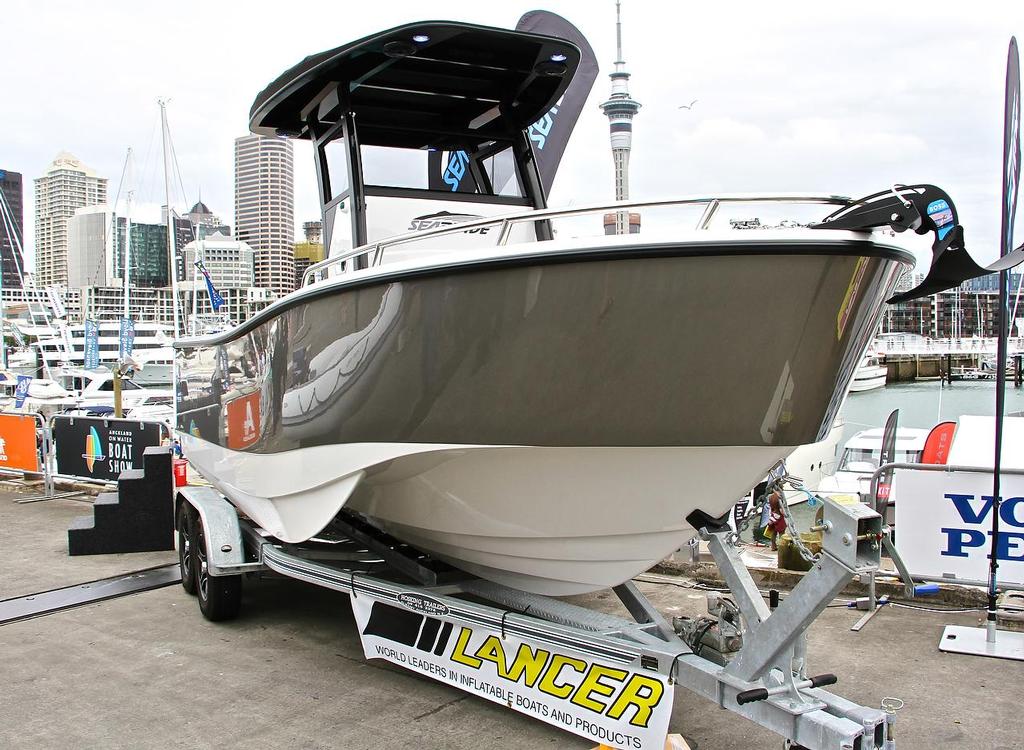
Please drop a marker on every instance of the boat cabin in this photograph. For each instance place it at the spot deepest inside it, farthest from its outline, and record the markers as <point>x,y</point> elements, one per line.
<point>421,126</point>
<point>863,452</point>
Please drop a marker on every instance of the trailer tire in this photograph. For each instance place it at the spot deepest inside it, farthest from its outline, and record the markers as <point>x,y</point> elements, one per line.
<point>184,526</point>
<point>220,597</point>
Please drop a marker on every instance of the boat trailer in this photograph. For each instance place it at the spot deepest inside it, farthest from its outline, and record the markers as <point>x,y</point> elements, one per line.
<point>591,673</point>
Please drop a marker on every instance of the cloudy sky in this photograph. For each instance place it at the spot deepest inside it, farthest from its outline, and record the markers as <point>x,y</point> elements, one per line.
<point>815,97</point>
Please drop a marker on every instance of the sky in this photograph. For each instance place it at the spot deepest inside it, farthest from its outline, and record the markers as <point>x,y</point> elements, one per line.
<point>800,96</point>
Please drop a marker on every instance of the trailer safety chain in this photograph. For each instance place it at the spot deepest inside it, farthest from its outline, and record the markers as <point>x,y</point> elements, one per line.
<point>797,484</point>
<point>779,485</point>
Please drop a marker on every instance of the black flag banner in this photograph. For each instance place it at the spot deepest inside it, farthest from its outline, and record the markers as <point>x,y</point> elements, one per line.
<point>951,263</point>
<point>550,133</point>
<point>887,456</point>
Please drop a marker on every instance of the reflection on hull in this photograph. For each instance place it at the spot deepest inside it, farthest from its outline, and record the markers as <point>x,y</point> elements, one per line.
<point>548,423</point>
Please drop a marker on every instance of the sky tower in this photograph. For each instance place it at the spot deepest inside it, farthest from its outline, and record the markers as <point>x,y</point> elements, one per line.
<point>620,110</point>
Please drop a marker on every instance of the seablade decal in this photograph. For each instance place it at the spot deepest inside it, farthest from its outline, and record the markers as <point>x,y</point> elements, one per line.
<point>609,704</point>
<point>540,130</point>
<point>446,219</point>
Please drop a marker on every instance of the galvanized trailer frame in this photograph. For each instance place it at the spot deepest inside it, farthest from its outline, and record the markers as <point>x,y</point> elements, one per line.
<point>766,681</point>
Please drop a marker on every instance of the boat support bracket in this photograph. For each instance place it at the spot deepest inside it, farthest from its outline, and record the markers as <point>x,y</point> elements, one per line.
<point>771,665</point>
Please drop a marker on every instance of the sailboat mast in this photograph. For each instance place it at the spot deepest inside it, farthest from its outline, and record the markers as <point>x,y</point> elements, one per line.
<point>171,254</point>
<point>127,238</point>
<point>194,328</point>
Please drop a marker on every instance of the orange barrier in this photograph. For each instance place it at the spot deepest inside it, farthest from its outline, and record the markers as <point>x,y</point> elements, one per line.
<point>19,449</point>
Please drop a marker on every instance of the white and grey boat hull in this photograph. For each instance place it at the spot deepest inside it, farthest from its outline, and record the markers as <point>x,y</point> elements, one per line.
<point>548,420</point>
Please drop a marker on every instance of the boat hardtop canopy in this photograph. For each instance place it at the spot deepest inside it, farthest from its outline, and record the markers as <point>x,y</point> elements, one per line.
<point>413,84</point>
<point>423,125</point>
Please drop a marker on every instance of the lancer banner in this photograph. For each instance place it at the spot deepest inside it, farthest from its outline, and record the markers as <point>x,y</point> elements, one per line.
<point>611,705</point>
<point>100,449</point>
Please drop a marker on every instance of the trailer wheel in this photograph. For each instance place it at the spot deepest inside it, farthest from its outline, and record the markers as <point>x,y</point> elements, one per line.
<point>185,523</point>
<point>220,597</point>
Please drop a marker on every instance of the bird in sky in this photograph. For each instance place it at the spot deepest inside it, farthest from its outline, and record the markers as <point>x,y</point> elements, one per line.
<point>688,106</point>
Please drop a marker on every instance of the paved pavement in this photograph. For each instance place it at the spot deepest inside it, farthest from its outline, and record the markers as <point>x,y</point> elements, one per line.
<point>147,671</point>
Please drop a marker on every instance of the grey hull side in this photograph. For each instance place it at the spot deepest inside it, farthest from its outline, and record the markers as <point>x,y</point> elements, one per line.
<point>685,346</point>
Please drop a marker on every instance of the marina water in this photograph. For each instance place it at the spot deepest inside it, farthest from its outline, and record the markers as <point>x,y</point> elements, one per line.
<point>925,403</point>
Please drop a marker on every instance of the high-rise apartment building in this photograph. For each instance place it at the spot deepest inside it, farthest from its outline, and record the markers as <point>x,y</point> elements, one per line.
<point>265,208</point>
<point>12,228</point>
<point>67,185</point>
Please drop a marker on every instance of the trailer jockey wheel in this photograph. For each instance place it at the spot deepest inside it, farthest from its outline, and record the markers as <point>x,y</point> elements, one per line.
<point>220,597</point>
<point>184,525</point>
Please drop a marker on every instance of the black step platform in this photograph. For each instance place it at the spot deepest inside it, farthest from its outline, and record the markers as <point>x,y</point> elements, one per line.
<point>139,517</point>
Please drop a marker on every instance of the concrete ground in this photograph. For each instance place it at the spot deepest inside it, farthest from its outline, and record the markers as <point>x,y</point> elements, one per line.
<point>147,671</point>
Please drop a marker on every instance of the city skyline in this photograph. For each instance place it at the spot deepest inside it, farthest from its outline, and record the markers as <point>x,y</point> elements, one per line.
<point>809,100</point>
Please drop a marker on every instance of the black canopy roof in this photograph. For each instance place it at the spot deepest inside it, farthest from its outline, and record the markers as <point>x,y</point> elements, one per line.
<point>416,82</point>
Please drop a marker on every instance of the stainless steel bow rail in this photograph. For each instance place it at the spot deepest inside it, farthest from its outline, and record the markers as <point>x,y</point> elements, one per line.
<point>710,204</point>
<point>765,679</point>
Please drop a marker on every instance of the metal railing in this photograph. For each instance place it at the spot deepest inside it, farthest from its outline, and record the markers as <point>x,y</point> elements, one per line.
<point>506,223</point>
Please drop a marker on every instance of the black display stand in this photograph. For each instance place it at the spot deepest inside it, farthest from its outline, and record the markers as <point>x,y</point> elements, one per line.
<point>139,517</point>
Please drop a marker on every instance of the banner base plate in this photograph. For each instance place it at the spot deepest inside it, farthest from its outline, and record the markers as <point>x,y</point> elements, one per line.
<point>958,639</point>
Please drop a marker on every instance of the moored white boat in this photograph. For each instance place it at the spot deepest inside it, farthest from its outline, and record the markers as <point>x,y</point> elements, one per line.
<point>869,375</point>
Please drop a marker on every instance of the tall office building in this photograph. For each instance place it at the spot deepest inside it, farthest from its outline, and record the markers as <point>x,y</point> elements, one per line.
<point>67,185</point>
<point>12,228</point>
<point>620,110</point>
<point>265,208</point>
<point>89,241</point>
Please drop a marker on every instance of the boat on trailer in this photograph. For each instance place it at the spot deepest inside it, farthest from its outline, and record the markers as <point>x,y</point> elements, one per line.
<point>471,374</point>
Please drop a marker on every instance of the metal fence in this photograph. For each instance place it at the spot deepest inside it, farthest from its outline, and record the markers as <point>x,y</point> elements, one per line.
<point>78,448</point>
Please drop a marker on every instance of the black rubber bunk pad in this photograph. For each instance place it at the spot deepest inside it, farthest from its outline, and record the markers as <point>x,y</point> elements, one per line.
<point>57,600</point>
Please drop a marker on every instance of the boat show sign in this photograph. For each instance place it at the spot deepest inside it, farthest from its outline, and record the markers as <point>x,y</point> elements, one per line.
<point>610,704</point>
<point>18,447</point>
<point>100,449</point>
<point>944,524</point>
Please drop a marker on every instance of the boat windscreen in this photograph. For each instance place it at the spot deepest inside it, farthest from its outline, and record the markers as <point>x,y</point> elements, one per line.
<point>488,170</point>
<point>864,459</point>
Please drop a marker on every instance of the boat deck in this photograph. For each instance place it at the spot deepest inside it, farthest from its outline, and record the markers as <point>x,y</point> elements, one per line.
<point>147,671</point>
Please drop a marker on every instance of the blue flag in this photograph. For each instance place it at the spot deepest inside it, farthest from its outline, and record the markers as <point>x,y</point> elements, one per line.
<point>21,390</point>
<point>92,345</point>
<point>127,340</point>
<point>216,300</point>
